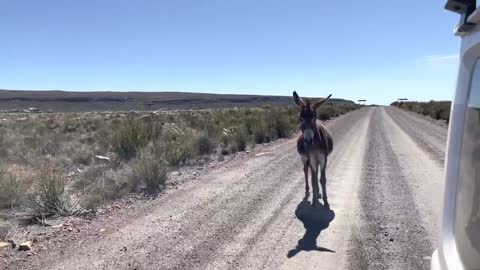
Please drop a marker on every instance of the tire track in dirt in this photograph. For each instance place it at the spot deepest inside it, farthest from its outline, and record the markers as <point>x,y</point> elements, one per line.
<point>390,235</point>
<point>427,135</point>
<point>270,240</point>
<point>181,239</point>
<point>423,171</point>
<point>175,215</point>
<point>280,197</point>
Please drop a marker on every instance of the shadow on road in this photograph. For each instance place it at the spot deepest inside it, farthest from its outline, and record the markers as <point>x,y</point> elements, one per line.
<point>315,220</point>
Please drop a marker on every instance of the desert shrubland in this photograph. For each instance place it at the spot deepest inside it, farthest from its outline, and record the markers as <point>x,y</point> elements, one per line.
<point>438,110</point>
<point>65,163</point>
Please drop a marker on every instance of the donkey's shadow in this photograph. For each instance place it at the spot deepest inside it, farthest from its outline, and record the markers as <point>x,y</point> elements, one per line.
<point>315,220</point>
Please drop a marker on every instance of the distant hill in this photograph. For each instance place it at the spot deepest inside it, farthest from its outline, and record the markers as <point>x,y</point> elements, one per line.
<point>63,101</point>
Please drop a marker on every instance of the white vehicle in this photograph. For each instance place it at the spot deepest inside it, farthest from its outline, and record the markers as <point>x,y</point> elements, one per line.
<point>459,246</point>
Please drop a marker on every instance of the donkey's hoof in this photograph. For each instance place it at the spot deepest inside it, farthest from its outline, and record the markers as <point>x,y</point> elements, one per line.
<point>315,204</point>
<point>326,204</point>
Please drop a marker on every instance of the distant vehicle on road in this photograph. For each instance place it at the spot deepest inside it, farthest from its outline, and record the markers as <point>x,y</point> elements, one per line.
<point>459,246</point>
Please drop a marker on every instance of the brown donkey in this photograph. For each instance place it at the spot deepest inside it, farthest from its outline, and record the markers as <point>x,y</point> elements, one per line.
<point>314,145</point>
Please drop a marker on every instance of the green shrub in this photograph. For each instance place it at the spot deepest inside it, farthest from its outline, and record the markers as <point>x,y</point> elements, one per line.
<point>260,132</point>
<point>176,144</point>
<point>150,170</point>
<point>129,138</point>
<point>240,139</point>
<point>324,116</point>
<point>256,126</point>
<point>4,145</point>
<point>202,144</point>
<point>235,139</point>
<point>326,112</point>
<point>281,125</point>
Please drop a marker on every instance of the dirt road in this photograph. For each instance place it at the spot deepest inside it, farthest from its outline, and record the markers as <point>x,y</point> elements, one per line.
<point>385,185</point>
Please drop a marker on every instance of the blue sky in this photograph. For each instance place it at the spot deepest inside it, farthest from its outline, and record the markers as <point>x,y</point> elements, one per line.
<point>378,50</point>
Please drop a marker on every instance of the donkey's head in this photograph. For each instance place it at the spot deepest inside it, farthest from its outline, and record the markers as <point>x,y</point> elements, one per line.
<point>308,116</point>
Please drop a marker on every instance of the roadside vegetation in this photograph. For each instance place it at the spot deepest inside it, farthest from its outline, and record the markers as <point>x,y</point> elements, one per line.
<point>68,163</point>
<point>438,110</point>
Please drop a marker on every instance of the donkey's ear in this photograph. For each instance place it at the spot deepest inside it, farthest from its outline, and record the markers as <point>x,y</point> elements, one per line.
<point>298,100</point>
<point>320,102</point>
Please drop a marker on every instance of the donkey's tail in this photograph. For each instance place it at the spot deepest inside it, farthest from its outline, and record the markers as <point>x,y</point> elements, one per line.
<point>329,143</point>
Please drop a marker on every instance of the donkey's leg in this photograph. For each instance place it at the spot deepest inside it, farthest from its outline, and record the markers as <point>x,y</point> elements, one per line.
<point>306,166</point>
<point>323,182</point>
<point>315,187</point>
<point>315,178</point>
<point>321,162</point>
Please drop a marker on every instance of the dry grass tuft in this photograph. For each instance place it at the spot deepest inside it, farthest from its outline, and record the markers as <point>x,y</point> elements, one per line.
<point>50,197</point>
<point>13,187</point>
<point>149,171</point>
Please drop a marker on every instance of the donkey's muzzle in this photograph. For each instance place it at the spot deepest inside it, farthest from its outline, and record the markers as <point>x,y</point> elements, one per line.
<point>308,141</point>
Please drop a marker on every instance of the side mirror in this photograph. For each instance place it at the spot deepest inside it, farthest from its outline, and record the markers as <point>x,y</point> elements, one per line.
<point>464,8</point>
<point>460,6</point>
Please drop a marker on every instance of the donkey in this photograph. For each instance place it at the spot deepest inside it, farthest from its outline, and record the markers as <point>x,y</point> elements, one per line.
<point>314,145</point>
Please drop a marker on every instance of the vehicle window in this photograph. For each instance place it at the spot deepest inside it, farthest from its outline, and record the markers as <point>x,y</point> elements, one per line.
<point>467,222</point>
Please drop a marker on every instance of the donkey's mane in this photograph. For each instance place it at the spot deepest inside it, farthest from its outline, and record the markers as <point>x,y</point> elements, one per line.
<point>308,103</point>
